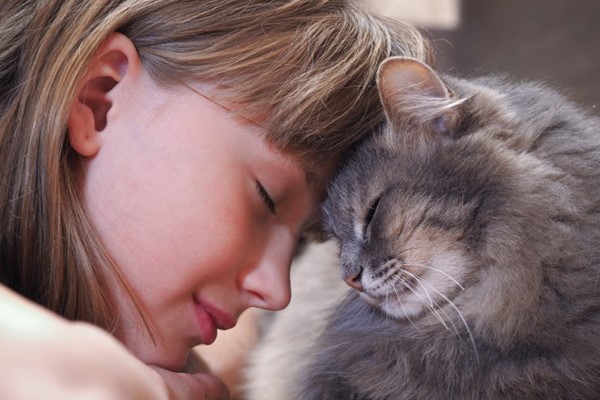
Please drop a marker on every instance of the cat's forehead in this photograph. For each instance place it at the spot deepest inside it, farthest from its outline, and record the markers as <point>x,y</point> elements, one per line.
<point>460,170</point>
<point>370,168</point>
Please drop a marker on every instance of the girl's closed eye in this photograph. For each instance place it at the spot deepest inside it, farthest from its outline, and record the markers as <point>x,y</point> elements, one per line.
<point>266,198</point>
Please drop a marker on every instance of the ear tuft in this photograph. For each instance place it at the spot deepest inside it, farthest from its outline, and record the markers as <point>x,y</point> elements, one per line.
<point>416,101</point>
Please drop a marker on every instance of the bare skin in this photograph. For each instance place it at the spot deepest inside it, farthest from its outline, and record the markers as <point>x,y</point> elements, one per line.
<point>36,343</point>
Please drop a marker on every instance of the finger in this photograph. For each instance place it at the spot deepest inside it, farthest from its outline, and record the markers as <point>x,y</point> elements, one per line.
<point>182,386</point>
<point>214,388</point>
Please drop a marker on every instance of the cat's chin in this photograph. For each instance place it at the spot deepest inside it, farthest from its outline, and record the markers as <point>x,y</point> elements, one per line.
<point>398,309</point>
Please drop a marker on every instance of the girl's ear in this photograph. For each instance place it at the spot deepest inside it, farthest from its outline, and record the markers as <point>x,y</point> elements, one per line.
<point>414,97</point>
<point>114,62</point>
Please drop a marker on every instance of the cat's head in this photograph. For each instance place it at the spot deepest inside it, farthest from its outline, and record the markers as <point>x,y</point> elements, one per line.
<point>437,200</point>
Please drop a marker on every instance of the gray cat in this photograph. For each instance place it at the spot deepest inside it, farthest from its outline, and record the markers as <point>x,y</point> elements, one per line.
<point>470,231</point>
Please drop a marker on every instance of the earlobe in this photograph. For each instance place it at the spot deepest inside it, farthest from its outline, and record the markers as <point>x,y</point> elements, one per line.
<point>115,62</point>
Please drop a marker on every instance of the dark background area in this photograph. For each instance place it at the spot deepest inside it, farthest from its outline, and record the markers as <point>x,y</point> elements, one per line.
<point>555,41</point>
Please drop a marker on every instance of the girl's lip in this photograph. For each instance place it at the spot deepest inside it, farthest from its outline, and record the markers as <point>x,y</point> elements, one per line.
<point>210,318</point>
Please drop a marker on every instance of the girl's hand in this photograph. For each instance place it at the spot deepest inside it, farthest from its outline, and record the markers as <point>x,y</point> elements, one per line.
<point>45,356</point>
<point>183,386</point>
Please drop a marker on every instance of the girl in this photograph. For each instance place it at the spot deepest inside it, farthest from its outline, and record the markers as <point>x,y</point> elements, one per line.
<point>159,161</point>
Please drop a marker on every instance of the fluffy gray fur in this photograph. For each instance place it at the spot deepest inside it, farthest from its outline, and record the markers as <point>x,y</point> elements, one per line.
<point>474,233</point>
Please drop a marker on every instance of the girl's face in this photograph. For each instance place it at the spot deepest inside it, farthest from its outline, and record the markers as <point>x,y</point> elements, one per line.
<point>199,212</point>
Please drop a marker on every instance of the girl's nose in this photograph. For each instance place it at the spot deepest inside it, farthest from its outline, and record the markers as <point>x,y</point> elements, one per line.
<point>269,280</point>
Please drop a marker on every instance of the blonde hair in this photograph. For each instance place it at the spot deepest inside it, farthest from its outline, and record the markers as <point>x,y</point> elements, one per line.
<point>308,65</point>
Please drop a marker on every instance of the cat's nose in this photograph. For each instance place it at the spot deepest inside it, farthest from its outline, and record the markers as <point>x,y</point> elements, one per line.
<point>353,280</point>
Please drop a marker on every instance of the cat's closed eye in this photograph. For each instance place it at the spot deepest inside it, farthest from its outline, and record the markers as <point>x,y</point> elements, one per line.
<point>371,212</point>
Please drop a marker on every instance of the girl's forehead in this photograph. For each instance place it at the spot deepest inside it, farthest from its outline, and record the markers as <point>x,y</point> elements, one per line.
<point>316,174</point>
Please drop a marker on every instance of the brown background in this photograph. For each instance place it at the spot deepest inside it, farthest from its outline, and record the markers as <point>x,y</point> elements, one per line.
<point>556,41</point>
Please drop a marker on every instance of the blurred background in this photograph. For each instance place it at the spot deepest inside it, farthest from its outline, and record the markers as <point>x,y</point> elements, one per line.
<point>555,41</point>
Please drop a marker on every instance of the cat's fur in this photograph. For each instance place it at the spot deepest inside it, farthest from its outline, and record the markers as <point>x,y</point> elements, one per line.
<point>472,224</point>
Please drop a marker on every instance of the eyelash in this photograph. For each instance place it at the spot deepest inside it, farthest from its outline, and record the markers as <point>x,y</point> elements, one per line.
<point>266,198</point>
<point>371,211</point>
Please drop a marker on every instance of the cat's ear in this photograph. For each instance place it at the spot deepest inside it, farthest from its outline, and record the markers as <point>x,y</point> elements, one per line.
<point>416,101</point>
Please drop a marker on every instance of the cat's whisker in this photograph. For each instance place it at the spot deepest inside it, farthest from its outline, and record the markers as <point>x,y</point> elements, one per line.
<point>407,283</point>
<point>454,328</point>
<point>432,308</point>
<point>404,309</point>
<point>431,305</point>
<point>459,313</point>
<point>438,270</point>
